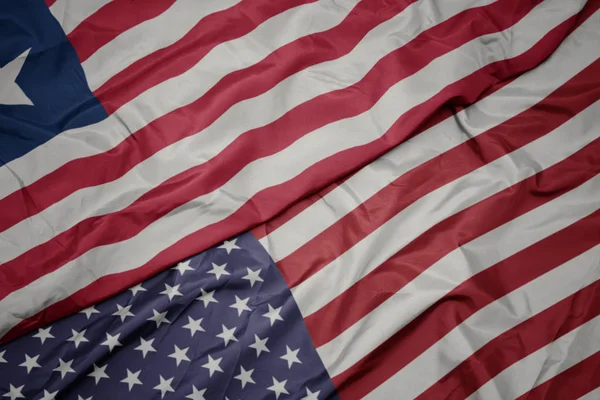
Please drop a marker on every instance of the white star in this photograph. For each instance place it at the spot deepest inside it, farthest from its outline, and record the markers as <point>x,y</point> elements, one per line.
<point>44,334</point>
<point>213,365</point>
<point>260,345</point>
<point>159,318</point>
<point>11,93</point>
<point>278,387</point>
<point>2,359</point>
<point>207,297</point>
<point>81,398</point>
<point>137,288</point>
<point>123,312</point>
<point>48,395</point>
<point>291,356</point>
<point>218,270</point>
<point>111,341</point>
<point>310,395</point>
<point>171,291</point>
<point>227,335</point>
<point>145,347</point>
<point>132,379</point>
<point>99,373</point>
<point>64,368</point>
<point>253,276</point>
<point>77,337</point>
<point>245,376</point>
<point>273,314</point>
<point>196,394</point>
<point>183,266</point>
<point>229,245</point>
<point>241,305</point>
<point>89,311</point>
<point>164,386</point>
<point>30,363</point>
<point>14,393</point>
<point>194,326</point>
<point>179,355</point>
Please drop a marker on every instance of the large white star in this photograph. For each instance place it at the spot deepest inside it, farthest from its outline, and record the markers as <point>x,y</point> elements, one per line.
<point>2,359</point>
<point>43,334</point>
<point>171,291</point>
<point>244,376</point>
<point>260,345</point>
<point>164,386</point>
<point>310,395</point>
<point>14,392</point>
<point>253,276</point>
<point>159,318</point>
<point>291,356</point>
<point>218,270</point>
<point>196,394</point>
<point>194,325</point>
<point>241,305</point>
<point>89,311</point>
<point>207,297</point>
<point>273,314</point>
<point>10,92</point>
<point>227,335</point>
<point>99,373</point>
<point>179,355</point>
<point>123,312</point>
<point>64,368</point>
<point>111,341</point>
<point>77,337</point>
<point>145,347</point>
<point>132,379</point>
<point>30,363</point>
<point>48,395</point>
<point>278,387</point>
<point>213,365</point>
<point>229,245</point>
<point>81,398</point>
<point>183,266</point>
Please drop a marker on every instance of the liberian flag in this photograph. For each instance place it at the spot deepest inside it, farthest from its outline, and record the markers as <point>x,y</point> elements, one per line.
<point>303,199</point>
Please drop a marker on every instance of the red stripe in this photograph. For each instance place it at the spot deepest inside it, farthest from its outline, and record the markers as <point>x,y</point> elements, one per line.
<point>408,263</point>
<point>211,175</point>
<point>517,343</point>
<point>49,2</point>
<point>163,64</point>
<point>273,200</point>
<point>189,120</point>
<point>469,297</point>
<point>110,21</point>
<point>572,383</point>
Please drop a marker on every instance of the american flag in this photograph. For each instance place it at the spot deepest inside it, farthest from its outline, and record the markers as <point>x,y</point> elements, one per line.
<point>420,178</point>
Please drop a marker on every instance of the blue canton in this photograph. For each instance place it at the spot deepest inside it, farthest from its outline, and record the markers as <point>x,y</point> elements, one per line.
<point>221,325</point>
<point>50,78</point>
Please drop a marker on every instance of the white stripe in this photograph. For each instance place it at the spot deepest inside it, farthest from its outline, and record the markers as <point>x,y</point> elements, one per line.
<point>577,52</point>
<point>195,150</point>
<point>173,93</point>
<point>543,364</point>
<point>70,13</point>
<point>489,322</point>
<point>461,264</point>
<point>148,37</point>
<point>364,257</point>
<point>593,395</point>
<point>290,162</point>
